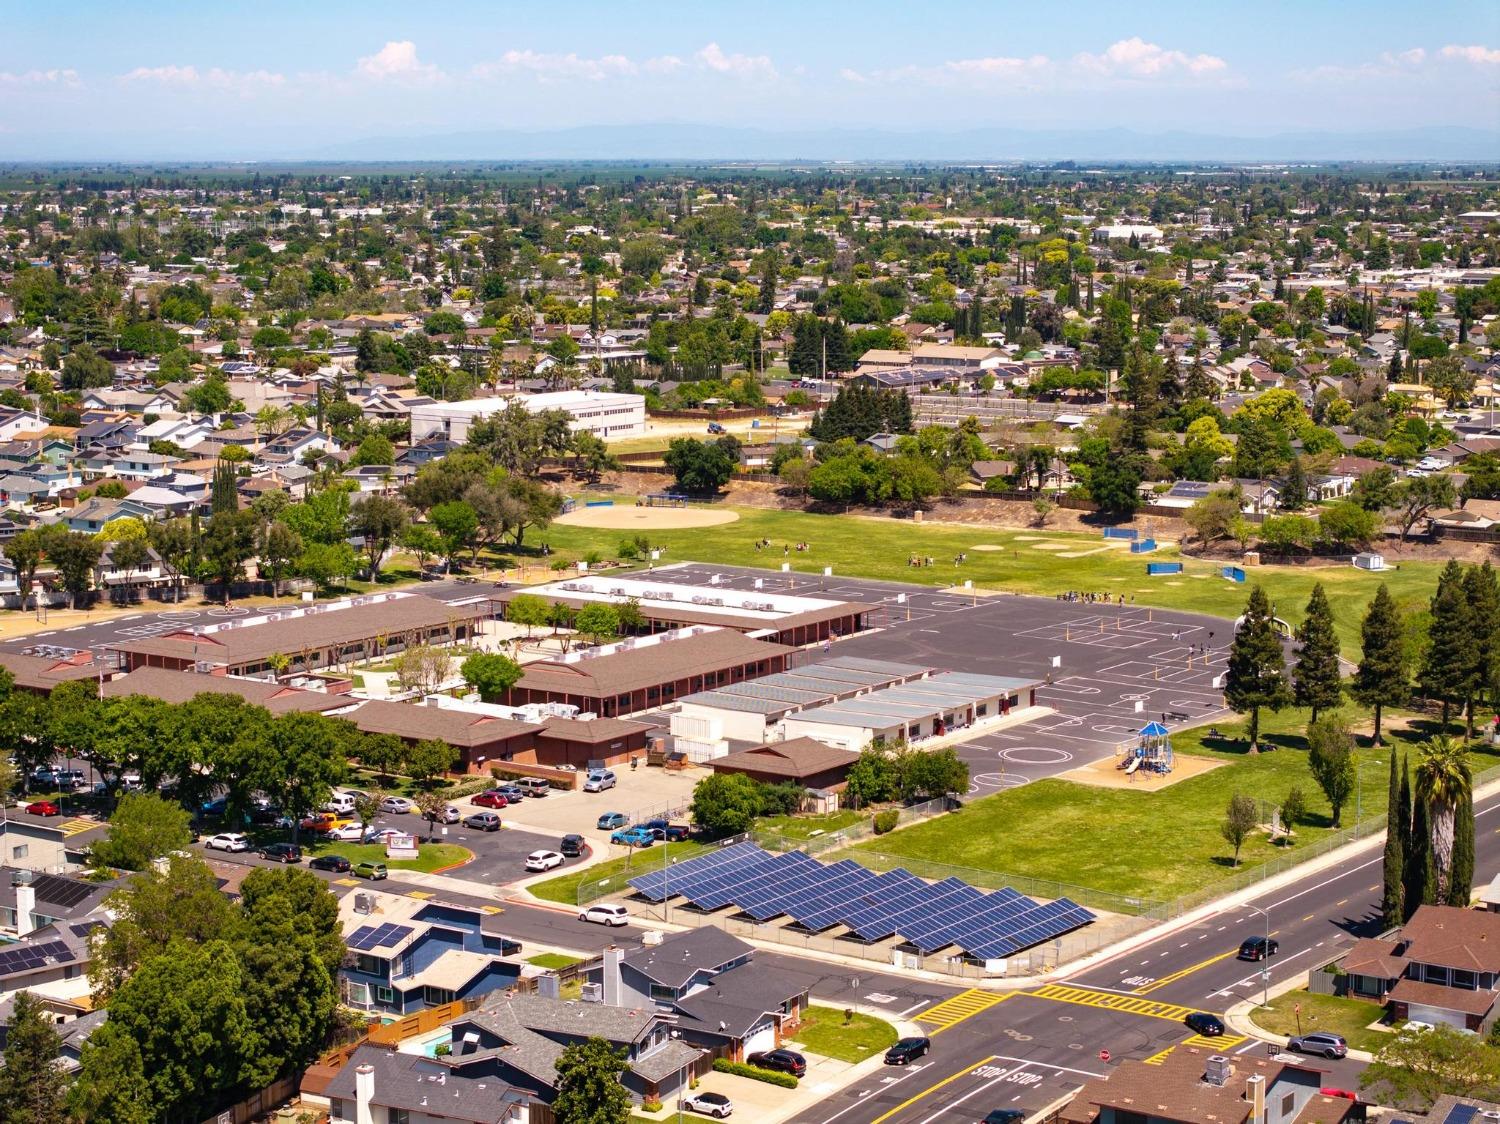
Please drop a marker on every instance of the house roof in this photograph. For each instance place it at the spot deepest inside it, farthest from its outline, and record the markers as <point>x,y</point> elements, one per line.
<point>1442,997</point>
<point>735,1001</point>
<point>794,758</point>
<point>180,686</point>
<point>417,1083</point>
<point>42,673</point>
<point>456,727</point>
<point>649,665</point>
<point>1454,938</point>
<point>680,955</point>
<point>1372,957</point>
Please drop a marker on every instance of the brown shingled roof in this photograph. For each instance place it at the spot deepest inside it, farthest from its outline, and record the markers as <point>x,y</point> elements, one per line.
<point>42,673</point>
<point>794,759</point>
<point>1454,938</point>
<point>1371,957</point>
<point>180,686</point>
<point>649,665</point>
<point>1444,998</point>
<point>456,727</point>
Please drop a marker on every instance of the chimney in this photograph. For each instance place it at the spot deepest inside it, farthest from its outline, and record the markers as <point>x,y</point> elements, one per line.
<point>614,988</point>
<point>364,1093</point>
<point>549,986</point>
<point>25,902</point>
<point>1255,1093</point>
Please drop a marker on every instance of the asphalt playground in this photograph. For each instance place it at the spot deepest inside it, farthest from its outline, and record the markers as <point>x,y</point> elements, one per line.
<point>1106,670</point>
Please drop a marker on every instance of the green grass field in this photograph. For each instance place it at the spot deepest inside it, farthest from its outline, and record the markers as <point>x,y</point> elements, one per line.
<point>564,888</point>
<point>825,1032</point>
<point>553,960</point>
<point>1349,1017</point>
<point>862,546</point>
<point>1152,846</point>
<point>430,856</point>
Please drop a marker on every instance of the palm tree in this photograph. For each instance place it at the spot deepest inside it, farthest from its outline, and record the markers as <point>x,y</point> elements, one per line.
<point>1442,783</point>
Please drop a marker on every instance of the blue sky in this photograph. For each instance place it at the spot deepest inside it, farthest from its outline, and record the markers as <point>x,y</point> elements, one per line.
<point>170,78</point>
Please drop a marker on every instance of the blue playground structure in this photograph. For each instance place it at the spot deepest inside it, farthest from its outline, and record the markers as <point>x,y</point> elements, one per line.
<point>1143,546</point>
<point>599,503</point>
<point>1152,752</point>
<point>1233,573</point>
<point>1156,569</point>
<point>1121,533</point>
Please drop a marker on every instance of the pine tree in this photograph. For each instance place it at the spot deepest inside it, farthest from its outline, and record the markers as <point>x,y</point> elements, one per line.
<point>1256,675</point>
<point>807,347</point>
<point>31,1084</point>
<point>1450,669</point>
<point>836,347</point>
<point>1381,679</point>
<point>1315,679</point>
<point>767,302</point>
<point>1461,864</point>
<point>1394,894</point>
<point>224,489</point>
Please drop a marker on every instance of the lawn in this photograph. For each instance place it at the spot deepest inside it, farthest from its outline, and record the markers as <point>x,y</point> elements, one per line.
<point>824,1031</point>
<point>871,547</point>
<point>430,856</point>
<point>564,888</point>
<point>553,960</point>
<point>804,827</point>
<point>1349,1017</point>
<point>1152,846</point>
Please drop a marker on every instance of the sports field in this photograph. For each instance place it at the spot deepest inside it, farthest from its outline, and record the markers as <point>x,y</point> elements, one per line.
<point>1034,561</point>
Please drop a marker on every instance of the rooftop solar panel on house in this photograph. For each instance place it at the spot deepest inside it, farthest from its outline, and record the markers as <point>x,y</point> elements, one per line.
<point>1461,1114</point>
<point>30,957</point>
<point>55,890</point>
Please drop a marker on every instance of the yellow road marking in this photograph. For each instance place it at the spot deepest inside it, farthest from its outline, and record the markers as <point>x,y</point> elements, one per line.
<point>965,1005</point>
<point>1109,1001</point>
<point>491,909</point>
<point>1219,1044</point>
<point>419,894</point>
<point>1175,976</point>
<point>1161,1057</point>
<point>76,827</point>
<point>346,882</point>
<point>931,1089</point>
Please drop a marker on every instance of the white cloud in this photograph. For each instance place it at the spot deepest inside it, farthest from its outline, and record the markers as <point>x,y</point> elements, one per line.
<point>40,78</point>
<point>553,66</point>
<point>397,60</point>
<point>851,75</point>
<point>244,82</point>
<point>712,57</point>
<point>168,75</point>
<point>998,66</point>
<point>1414,57</point>
<point>1135,58</point>
<point>1480,56</point>
<point>663,64</point>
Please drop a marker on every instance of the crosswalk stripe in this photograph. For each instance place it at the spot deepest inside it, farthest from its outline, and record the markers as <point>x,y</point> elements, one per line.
<point>1127,1004</point>
<point>962,1006</point>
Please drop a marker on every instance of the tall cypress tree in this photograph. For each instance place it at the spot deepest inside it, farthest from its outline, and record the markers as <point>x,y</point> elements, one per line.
<point>1483,598</point>
<point>1381,680</point>
<point>224,492</point>
<point>1393,896</point>
<point>1315,678</point>
<point>1450,668</point>
<point>1256,674</point>
<point>1421,878</point>
<point>1461,865</point>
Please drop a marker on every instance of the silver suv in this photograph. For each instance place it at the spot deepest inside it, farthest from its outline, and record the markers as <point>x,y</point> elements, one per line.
<point>1323,1042</point>
<point>598,780</point>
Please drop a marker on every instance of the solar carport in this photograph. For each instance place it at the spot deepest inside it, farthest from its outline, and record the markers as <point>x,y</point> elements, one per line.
<point>868,906</point>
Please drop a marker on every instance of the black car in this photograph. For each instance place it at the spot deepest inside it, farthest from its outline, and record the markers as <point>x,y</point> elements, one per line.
<point>1210,1026</point>
<point>1258,948</point>
<point>907,1051</point>
<point>571,846</point>
<point>282,852</point>
<point>666,831</point>
<point>336,863</point>
<point>782,1061</point>
<point>1004,1116</point>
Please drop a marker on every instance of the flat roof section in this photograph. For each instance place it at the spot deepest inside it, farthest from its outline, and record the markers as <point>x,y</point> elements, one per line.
<point>807,686</point>
<point>920,698</point>
<point>658,597</point>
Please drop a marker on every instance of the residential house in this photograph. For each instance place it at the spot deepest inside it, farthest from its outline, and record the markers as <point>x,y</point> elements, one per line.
<point>129,465</point>
<point>1442,967</point>
<point>982,472</point>
<point>882,442</point>
<point>379,1086</point>
<point>185,433</point>
<point>290,447</point>
<point>14,422</point>
<point>91,516</point>
<point>708,980</point>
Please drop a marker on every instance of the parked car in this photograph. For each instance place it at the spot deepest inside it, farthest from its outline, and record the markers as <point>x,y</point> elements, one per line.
<point>1210,1026</point>
<point>1323,1042</point>
<point>227,841</point>
<point>662,829</point>
<point>715,427</point>
<point>533,786</point>
<point>373,871</point>
<point>449,814</point>
<point>782,1061</point>
<point>598,780</point>
<point>43,808</point>
<point>483,821</point>
<point>494,798</point>
<point>346,833</point>
<point>543,860</point>
<point>633,837</point>
<point>606,915</point>
<point>282,852</point>
<point>908,1050</point>
<point>396,805</point>
<point>336,863</point>
<point>1344,1093</point>
<point>382,834</point>
<point>709,1104</point>
<point>214,807</point>
<point>572,846</point>
<point>611,820</point>
<point>323,821</point>
<point>1258,948</point>
<point>340,802</point>
<point>1004,1116</point>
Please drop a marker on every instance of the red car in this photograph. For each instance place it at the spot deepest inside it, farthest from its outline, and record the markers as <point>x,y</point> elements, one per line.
<point>491,799</point>
<point>44,808</point>
<point>1345,1093</point>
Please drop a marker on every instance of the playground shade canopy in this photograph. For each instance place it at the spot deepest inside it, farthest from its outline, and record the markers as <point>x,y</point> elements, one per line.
<point>872,906</point>
<point>1154,730</point>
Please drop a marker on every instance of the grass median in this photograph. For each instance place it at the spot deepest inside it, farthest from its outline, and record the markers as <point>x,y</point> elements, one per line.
<point>430,856</point>
<point>1349,1017</point>
<point>1151,846</point>
<point>613,873</point>
<point>846,1036</point>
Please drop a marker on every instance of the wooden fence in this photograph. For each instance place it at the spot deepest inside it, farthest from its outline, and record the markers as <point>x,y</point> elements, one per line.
<point>430,1018</point>
<point>260,1104</point>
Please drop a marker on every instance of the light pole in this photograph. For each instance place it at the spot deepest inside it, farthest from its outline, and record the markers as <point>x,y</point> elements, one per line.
<point>1265,972</point>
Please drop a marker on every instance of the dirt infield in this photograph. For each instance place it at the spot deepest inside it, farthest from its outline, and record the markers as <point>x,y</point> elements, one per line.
<point>628,517</point>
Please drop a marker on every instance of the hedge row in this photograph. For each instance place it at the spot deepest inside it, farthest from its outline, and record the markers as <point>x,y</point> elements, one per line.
<point>741,1069</point>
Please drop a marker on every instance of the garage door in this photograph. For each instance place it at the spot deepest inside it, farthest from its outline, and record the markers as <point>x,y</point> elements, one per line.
<point>1435,1015</point>
<point>761,1038</point>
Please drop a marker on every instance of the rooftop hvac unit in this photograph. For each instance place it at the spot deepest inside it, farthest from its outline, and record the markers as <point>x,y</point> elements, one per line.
<point>617,590</point>
<point>592,993</point>
<point>203,667</point>
<point>666,595</point>
<point>699,599</point>
<point>587,716</point>
<point>364,903</point>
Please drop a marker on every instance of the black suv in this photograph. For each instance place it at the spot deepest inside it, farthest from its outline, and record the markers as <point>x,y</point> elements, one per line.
<point>282,852</point>
<point>782,1061</point>
<point>1258,948</point>
<point>571,846</point>
<point>907,1050</point>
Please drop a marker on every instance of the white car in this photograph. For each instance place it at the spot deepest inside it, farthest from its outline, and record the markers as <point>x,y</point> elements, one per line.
<point>347,833</point>
<point>382,834</point>
<point>708,1104</point>
<point>229,841</point>
<point>606,915</point>
<point>398,805</point>
<point>543,860</point>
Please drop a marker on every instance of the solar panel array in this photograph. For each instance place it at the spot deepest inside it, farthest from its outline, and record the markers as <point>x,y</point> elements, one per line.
<point>374,936</point>
<point>872,906</point>
<point>34,956</point>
